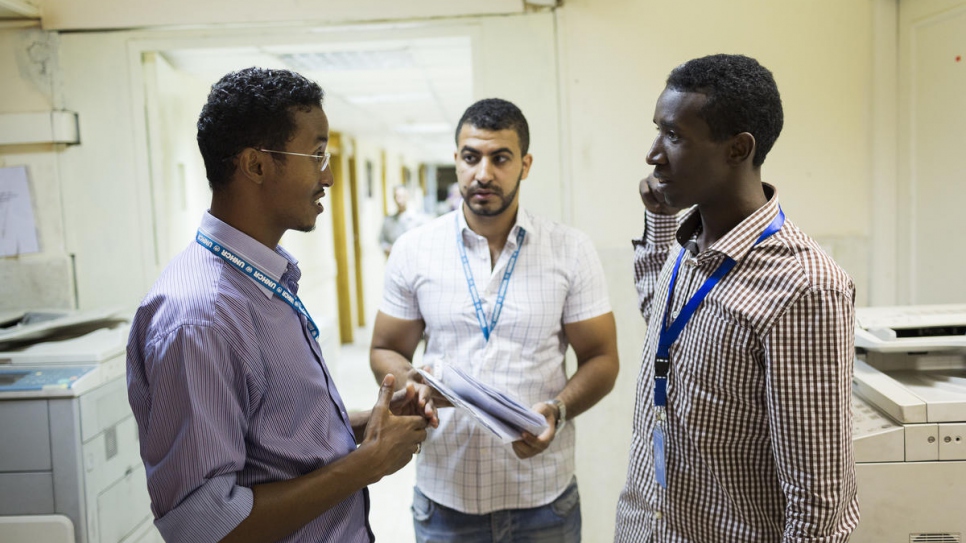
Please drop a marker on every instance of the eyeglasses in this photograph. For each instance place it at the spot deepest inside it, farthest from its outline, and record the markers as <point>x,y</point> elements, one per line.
<point>322,159</point>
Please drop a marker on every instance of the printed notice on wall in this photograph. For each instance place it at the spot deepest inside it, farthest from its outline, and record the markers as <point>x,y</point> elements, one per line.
<point>18,230</point>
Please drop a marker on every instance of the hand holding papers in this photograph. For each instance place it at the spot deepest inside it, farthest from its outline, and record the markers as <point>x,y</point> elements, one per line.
<point>492,409</point>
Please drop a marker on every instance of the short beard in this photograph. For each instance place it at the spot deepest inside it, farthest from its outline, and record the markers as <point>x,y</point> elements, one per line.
<point>506,202</point>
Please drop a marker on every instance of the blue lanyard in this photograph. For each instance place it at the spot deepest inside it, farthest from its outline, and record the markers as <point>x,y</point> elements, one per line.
<point>670,332</point>
<point>471,284</point>
<point>256,274</point>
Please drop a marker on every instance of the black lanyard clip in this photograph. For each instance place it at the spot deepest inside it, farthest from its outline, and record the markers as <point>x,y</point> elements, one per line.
<point>661,366</point>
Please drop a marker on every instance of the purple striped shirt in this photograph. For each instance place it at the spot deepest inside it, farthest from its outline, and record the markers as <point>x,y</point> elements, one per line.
<point>230,390</point>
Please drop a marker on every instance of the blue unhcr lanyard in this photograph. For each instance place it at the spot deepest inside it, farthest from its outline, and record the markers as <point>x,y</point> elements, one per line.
<point>259,276</point>
<point>471,284</point>
<point>670,332</point>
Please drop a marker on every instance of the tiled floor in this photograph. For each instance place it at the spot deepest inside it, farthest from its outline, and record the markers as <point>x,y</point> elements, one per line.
<point>391,497</point>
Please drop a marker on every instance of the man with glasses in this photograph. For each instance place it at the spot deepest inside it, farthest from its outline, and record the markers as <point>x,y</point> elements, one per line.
<point>499,293</point>
<point>243,434</point>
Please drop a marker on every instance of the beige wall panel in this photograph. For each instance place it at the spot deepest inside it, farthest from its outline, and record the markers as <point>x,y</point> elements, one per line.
<point>931,181</point>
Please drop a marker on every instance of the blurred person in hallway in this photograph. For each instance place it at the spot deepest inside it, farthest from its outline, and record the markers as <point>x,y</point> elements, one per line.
<point>452,202</point>
<point>406,218</point>
<point>499,293</point>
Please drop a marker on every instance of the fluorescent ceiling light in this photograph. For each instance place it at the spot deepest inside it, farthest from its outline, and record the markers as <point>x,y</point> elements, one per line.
<point>423,128</point>
<point>338,61</point>
<point>394,98</point>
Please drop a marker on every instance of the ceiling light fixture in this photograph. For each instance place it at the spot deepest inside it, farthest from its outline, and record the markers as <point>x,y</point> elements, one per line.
<point>393,98</point>
<point>423,128</point>
<point>332,61</point>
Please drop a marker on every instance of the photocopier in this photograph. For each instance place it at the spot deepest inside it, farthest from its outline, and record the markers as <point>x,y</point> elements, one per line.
<point>909,423</point>
<point>70,466</point>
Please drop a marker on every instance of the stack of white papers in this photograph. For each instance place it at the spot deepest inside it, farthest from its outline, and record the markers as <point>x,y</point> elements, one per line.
<point>499,413</point>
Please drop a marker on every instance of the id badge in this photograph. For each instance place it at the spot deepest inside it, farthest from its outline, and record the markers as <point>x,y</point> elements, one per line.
<point>660,463</point>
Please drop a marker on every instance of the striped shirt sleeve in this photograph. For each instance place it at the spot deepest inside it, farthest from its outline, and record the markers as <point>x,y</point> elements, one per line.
<point>194,443</point>
<point>809,354</point>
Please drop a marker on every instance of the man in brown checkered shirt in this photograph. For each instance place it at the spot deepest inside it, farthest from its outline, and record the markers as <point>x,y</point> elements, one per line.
<point>742,429</point>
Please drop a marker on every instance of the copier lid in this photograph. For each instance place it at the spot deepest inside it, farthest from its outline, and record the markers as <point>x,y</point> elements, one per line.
<point>87,337</point>
<point>923,328</point>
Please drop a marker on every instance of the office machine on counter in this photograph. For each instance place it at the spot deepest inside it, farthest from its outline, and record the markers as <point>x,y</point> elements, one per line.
<point>70,469</point>
<point>909,431</point>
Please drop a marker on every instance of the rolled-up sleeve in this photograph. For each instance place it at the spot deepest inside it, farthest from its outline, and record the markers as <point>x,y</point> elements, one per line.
<point>809,362</point>
<point>587,296</point>
<point>399,299</point>
<point>193,407</point>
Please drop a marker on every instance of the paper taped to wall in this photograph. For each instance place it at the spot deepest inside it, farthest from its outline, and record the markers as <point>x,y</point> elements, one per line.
<point>18,230</point>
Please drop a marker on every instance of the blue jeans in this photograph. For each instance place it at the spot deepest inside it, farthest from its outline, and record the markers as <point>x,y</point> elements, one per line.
<point>557,522</point>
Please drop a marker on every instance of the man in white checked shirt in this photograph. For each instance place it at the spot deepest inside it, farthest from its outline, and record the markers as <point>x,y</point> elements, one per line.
<point>742,429</point>
<point>471,488</point>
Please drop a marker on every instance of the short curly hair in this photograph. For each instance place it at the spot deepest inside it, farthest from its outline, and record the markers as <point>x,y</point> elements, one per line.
<point>741,97</point>
<point>496,114</point>
<point>251,108</point>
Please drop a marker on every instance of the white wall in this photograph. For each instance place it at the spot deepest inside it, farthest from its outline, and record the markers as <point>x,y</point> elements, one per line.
<point>931,188</point>
<point>180,192</point>
<point>619,53</point>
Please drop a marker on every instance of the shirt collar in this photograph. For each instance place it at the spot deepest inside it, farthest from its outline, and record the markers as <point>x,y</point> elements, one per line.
<point>272,263</point>
<point>524,220</point>
<point>737,242</point>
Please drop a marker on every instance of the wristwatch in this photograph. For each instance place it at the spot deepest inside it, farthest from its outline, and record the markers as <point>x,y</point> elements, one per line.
<point>561,413</point>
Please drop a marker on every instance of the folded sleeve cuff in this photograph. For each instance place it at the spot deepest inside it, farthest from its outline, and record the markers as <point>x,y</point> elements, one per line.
<point>208,514</point>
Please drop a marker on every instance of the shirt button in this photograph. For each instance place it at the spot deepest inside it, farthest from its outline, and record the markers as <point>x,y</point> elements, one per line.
<point>658,515</point>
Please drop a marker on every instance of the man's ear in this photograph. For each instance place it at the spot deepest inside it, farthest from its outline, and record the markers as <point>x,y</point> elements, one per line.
<point>742,148</point>
<point>527,162</point>
<point>251,164</point>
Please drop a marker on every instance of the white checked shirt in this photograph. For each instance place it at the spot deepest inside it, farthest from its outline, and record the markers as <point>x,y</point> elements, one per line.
<point>759,426</point>
<point>558,279</point>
